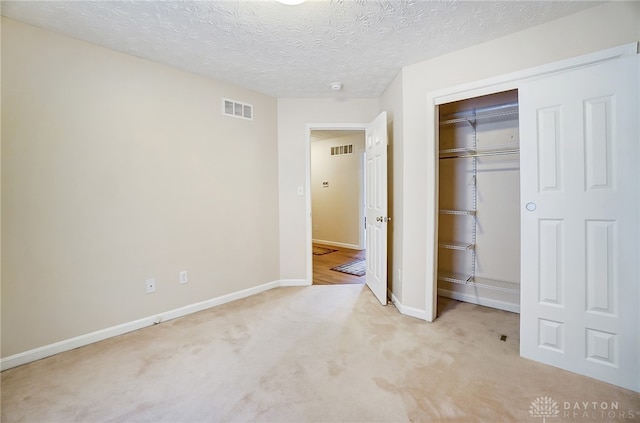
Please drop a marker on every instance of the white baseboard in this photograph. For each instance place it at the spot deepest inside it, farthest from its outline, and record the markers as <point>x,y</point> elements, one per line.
<point>82,340</point>
<point>409,311</point>
<point>473,299</point>
<point>336,244</point>
<point>294,282</point>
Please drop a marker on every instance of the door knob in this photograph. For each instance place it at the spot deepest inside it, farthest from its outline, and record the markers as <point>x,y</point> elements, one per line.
<point>531,206</point>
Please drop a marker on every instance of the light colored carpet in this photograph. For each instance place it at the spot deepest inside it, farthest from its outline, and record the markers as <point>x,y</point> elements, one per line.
<point>310,354</point>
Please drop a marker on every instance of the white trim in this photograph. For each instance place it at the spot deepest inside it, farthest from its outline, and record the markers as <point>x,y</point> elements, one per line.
<point>362,213</point>
<point>100,335</point>
<point>337,244</point>
<point>482,87</point>
<point>409,311</point>
<point>474,299</point>
<point>511,80</point>
<point>295,282</point>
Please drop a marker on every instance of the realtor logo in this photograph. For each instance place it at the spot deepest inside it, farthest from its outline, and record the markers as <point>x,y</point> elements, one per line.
<point>544,407</point>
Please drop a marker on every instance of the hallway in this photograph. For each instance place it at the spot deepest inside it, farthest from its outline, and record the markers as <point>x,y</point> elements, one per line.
<point>322,264</point>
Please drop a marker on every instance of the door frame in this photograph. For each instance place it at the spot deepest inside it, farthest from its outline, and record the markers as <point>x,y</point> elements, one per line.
<point>308,224</point>
<point>479,88</point>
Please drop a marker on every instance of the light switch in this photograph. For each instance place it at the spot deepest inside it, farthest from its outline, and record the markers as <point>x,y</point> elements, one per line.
<point>300,190</point>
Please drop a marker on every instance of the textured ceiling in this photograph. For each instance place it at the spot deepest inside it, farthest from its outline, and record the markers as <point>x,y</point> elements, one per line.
<point>290,51</point>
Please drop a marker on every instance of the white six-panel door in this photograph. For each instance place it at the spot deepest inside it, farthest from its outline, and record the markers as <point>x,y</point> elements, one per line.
<point>580,199</point>
<point>376,206</point>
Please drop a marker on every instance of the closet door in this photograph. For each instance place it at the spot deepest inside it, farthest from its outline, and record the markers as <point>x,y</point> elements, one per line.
<point>580,202</point>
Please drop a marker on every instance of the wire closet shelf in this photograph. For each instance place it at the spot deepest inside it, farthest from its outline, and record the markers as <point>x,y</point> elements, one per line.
<point>473,117</point>
<point>481,115</point>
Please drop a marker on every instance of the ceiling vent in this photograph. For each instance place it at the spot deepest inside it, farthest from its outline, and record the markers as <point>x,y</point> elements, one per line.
<point>236,109</point>
<point>341,150</point>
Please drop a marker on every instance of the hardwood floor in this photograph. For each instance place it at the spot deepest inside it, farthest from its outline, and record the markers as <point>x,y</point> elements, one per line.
<point>322,264</point>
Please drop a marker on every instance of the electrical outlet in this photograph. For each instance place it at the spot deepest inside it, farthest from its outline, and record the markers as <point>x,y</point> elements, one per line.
<point>151,285</point>
<point>183,277</point>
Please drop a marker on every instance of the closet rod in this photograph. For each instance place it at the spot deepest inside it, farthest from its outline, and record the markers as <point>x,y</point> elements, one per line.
<point>483,113</point>
<point>496,108</point>
<point>482,154</point>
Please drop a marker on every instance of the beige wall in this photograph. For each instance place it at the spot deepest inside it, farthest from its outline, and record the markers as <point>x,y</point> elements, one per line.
<point>114,170</point>
<point>604,26</point>
<point>293,159</point>
<point>336,209</point>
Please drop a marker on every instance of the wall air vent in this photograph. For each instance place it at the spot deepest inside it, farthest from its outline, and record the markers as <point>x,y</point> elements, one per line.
<point>236,109</point>
<point>341,150</point>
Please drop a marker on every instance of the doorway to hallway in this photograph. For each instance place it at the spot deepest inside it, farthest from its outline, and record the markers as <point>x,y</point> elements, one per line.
<point>337,204</point>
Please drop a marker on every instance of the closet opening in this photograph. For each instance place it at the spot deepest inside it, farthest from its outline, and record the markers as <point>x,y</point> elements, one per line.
<point>479,197</point>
